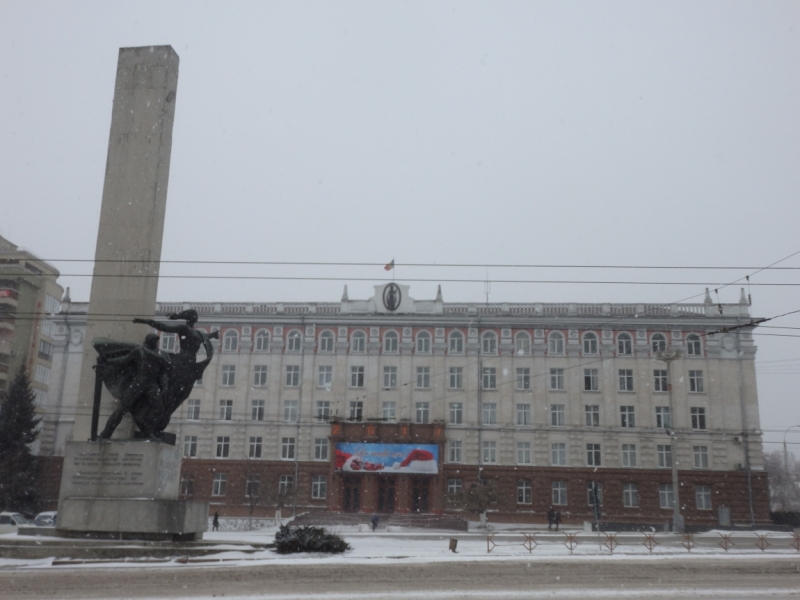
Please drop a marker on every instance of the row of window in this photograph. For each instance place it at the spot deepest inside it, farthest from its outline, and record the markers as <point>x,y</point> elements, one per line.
<point>255,447</point>
<point>558,454</point>
<point>422,410</point>
<point>319,486</point>
<point>455,342</point>
<point>594,493</point>
<point>455,380</point>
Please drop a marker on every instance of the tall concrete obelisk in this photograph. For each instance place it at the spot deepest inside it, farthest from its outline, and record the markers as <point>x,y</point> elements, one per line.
<point>132,213</point>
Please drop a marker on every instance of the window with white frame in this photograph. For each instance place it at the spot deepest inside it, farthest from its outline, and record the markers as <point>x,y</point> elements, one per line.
<point>324,376</point>
<point>225,410</point>
<point>624,344</point>
<point>321,448</point>
<point>285,485</point>
<point>390,342</point>
<point>456,343</point>
<point>193,410</point>
<point>423,378</point>
<point>660,380</point>
<point>423,342</point>
<point>228,375</point>
<point>489,452</point>
<point>666,495</point>
<point>168,342</point>
<point>658,342</point>
<point>257,410</point>
<point>696,382</point>
<point>326,341</point>
<point>702,496</point>
<point>698,414</point>
<point>358,343</point>
<point>356,377</point>
<point>389,378</point>
<point>187,486</point>
<point>558,454</point>
<point>456,413</point>
<point>230,341</point>
<point>523,378</point>
<point>524,492</point>
<point>628,455</point>
<point>555,343</point>
<point>223,446</point>
<point>259,375</point>
<point>664,456</point>
<point>42,374</point>
<point>630,495</point>
<point>262,341</point>
<point>456,378</point>
<point>190,446</point>
<point>454,486</point>
<point>252,486</point>
<point>626,380</point>
<point>591,380</point>
<point>292,375</point>
<point>590,344</point>
<point>627,416</point>
<point>319,487</point>
<point>52,305</point>
<point>489,343</point>
<point>454,451</point>
<point>287,448</point>
<point>522,344</point>
<point>593,455</point>
<point>700,457</point>
<point>423,412</point>
<point>489,378</point>
<point>323,410</point>
<point>218,485</point>
<point>389,411</point>
<point>45,350</point>
<point>489,413</point>
<point>693,347</point>
<point>558,415</point>
<point>356,410</point>
<point>290,411</point>
<point>663,417</point>
<point>254,450</point>
<point>294,341</point>
<point>557,380</point>
<point>523,414</point>
<point>523,453</point>
<point>593,487</point>
<point>592,414</point>
<point>559,495</point>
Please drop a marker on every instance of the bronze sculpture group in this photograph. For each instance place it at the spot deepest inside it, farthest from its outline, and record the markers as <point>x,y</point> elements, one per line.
<point>149,383</point>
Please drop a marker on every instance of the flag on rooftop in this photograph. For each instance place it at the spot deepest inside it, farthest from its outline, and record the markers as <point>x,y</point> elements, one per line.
<point>390,266</point>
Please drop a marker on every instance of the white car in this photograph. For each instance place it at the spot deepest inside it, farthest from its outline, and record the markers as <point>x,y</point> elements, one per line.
<point>45,519</point>
<point>10,521</point>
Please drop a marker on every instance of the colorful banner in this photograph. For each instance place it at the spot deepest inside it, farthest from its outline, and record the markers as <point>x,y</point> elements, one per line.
<point>387,458</point>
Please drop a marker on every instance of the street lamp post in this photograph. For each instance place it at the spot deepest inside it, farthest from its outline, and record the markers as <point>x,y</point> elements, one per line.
<point>668,356</point>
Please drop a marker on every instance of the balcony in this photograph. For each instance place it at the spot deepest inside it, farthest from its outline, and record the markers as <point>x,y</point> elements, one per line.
<point>8,297</point>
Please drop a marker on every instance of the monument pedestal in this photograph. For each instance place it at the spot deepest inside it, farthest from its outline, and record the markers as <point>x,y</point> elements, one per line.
<point>127,489</point>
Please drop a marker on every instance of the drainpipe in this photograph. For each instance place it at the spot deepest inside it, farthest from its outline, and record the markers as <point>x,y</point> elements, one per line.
<point>63,375</point>
<point>299,412</point>
<point>745,427</point>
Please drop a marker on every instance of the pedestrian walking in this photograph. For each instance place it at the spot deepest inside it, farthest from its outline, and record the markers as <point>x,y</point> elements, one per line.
<point>558,519</point>
<point>375,520</point>
<point>215,522</point>
<point>551,518</point>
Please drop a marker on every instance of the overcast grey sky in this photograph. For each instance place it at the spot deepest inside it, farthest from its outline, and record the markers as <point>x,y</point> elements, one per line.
<point>573,133</point>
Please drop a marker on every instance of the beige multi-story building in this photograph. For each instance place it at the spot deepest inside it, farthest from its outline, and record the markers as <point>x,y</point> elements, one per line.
<point>29,298</point>
<point>544,402</point>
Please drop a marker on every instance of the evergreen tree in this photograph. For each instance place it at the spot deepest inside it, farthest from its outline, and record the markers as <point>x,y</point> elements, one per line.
<point>18,467</point>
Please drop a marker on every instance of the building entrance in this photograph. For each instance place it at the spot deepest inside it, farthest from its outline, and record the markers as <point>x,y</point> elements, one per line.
<point>420,494</point>
<point>352,494</point>
<point>386,494</point>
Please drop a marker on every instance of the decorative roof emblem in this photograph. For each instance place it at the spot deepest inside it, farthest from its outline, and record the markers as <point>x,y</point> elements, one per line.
<point>392,297</point>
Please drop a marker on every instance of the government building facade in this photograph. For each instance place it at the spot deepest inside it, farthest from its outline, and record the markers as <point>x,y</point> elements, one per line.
<point>396,405</point>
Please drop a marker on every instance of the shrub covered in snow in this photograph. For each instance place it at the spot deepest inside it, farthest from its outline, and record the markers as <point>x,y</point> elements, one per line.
<point>308,539</point>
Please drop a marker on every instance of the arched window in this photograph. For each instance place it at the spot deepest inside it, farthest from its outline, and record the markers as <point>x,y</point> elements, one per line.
<point>262,341</point>
<point>358,343</point>
<point>555,343</point>
<point>423,342</point>
<point>456,343</point>
<point>522,344</point>
<point>693,347</point>
<point>295,341</point>
<point>624,344</point>
<point>231,341</point>
<point>489,343</point>
<point>326,341</point>
<point>590,343</point>
<point>390,342</point>
<point>659,342</point>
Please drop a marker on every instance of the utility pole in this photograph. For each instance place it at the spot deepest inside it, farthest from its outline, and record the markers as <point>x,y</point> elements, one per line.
<point>668,356</point>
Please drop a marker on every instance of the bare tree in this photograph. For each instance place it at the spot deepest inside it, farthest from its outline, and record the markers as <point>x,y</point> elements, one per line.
<point>784,493</point>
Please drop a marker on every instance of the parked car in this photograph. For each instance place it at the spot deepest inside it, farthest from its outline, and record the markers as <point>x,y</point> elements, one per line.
<point>46,519</point>
<point>10,521</point>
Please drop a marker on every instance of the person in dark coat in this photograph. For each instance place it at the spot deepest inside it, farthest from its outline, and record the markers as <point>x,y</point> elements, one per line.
<point>551,518</point>
<point>375,520</point>
<point>558,520</point>
<point>215,522</point>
